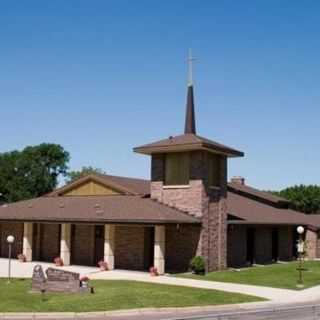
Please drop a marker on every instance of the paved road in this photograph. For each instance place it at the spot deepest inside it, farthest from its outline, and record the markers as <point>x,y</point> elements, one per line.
<point>307,312</point>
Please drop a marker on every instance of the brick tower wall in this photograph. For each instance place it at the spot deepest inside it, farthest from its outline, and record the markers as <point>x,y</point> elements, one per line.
<point>199,200</point>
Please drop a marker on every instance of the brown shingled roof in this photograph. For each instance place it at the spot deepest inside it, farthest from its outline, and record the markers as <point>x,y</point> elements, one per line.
<point>256,212</point>
<point>94,209</point>
<point>259,195</point>
<point>125,185</point>
<point>187,142</point>
<point>314,219</point>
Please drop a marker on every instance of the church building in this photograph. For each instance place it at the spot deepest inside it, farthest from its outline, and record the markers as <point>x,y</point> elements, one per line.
<point>187,208</point>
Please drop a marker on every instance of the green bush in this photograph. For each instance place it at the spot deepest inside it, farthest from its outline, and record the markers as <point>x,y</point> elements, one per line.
<point>197,265</point>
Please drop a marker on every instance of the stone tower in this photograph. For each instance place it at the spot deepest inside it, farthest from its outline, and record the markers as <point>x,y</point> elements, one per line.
<point>189,172</point>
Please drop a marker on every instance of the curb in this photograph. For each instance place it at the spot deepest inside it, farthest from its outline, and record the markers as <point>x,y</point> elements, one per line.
<point>125,312</point>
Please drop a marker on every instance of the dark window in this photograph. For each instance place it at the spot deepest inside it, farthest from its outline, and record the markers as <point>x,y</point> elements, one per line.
<point>177,169</point>
<point>214,170</point>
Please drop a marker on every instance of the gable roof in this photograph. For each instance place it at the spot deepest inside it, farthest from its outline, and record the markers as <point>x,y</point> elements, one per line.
<point>258,195</point>
<point>187,142</point>
<point>256,212</point>
<point>95,209</point>
<point>124,185</point>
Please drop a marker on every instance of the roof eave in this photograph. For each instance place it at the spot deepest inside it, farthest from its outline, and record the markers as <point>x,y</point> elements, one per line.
<point>188,147</point>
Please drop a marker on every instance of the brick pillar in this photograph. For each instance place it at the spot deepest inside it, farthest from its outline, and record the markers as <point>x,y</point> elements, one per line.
<point>27,240</point>
<point>65,243</point>
<point>109,235</point>
<point>159,248</point>
<point>311,242</point>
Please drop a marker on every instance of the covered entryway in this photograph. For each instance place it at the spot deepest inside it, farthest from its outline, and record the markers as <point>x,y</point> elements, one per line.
<point>275,244</point>
<point>16,230</point>
<point>148,247</point>
<point>99,244</point>
<point>46,241</point>
<point>251,248</point>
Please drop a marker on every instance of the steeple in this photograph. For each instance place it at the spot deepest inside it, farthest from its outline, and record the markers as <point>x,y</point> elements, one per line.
<point>190,123</point>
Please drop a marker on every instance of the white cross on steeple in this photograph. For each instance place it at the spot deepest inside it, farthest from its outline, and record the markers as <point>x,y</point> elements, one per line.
<point>190,67</point>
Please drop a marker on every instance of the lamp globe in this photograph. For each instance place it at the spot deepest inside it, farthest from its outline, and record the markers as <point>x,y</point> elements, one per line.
<point>300,229</point>
<point>10,239</point>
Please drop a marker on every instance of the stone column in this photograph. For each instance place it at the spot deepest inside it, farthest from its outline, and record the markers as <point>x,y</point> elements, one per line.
<point>159,248</point>
<point>65,243</point>
<point>27,240</point>
<point>109,233</point>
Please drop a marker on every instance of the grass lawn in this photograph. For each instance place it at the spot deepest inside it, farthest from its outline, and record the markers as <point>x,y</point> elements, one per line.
<point>274,275</point>
<point>111,295</point>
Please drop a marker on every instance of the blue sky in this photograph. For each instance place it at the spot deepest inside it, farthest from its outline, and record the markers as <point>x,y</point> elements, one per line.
<point>100,77</point>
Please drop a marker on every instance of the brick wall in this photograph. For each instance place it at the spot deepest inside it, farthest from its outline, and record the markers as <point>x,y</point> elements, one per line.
<point>49,242</point>
<point>263,245</point>
<point>311,238</point>
<point>285,243</point>
<point>181,246</point>
<point>82,244</point>
<point>15,229</point>
<point>200,200</point>
<point>129,247</point>
<point>318,245</point>
<point>237,246</point>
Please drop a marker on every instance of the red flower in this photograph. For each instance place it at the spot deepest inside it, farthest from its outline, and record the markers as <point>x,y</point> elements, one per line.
<point>84,279</point>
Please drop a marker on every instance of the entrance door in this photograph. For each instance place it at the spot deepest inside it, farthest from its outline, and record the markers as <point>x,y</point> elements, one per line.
<point>99,244</point>
<point>251,245</point>
<point>148,247</point>
<point>275,244</point>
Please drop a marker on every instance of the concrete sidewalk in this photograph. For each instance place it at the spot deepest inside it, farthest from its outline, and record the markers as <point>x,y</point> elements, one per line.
<point>272,294</point>
<point>24,270</point>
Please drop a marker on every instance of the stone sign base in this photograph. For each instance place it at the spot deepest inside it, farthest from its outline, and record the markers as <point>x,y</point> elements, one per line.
<point>57,281</point>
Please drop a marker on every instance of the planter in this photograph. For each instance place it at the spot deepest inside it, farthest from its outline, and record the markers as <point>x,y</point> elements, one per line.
<point>58,262</point>
<point>103,266</point>
<point>22,258</point>
<point>153,272</point>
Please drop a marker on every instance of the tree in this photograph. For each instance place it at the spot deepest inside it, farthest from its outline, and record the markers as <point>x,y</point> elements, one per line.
<point>303,198</point>
<point>32,172</point>
<point>74,175</point>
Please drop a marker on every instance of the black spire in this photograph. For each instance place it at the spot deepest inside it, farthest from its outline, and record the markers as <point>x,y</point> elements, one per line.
<point>190,124</point>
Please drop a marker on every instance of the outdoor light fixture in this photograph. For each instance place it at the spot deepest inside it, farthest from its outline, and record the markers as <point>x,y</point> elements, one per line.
<point>300,229</point>
<point>10,240</point>
<point>300,249</point>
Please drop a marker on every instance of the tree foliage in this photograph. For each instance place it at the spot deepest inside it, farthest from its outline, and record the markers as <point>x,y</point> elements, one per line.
<point>31,172</point>
<point>74,175</point>
<point>303,198</point>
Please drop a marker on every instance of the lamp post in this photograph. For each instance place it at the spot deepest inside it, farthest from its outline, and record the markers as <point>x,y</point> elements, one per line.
<point>10,240</point>
<point>300,247</point>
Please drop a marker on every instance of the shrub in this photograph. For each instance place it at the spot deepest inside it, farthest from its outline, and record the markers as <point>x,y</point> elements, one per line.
<point>197,265</point>
<point>84,279</point>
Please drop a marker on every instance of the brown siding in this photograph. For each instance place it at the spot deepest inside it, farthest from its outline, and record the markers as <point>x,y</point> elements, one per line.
<point>15,229</point>
<point>181,246</point>
<point>82,244</point>
<point>90,188</point>
<point>129,247</point>
<point>237,246</point>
